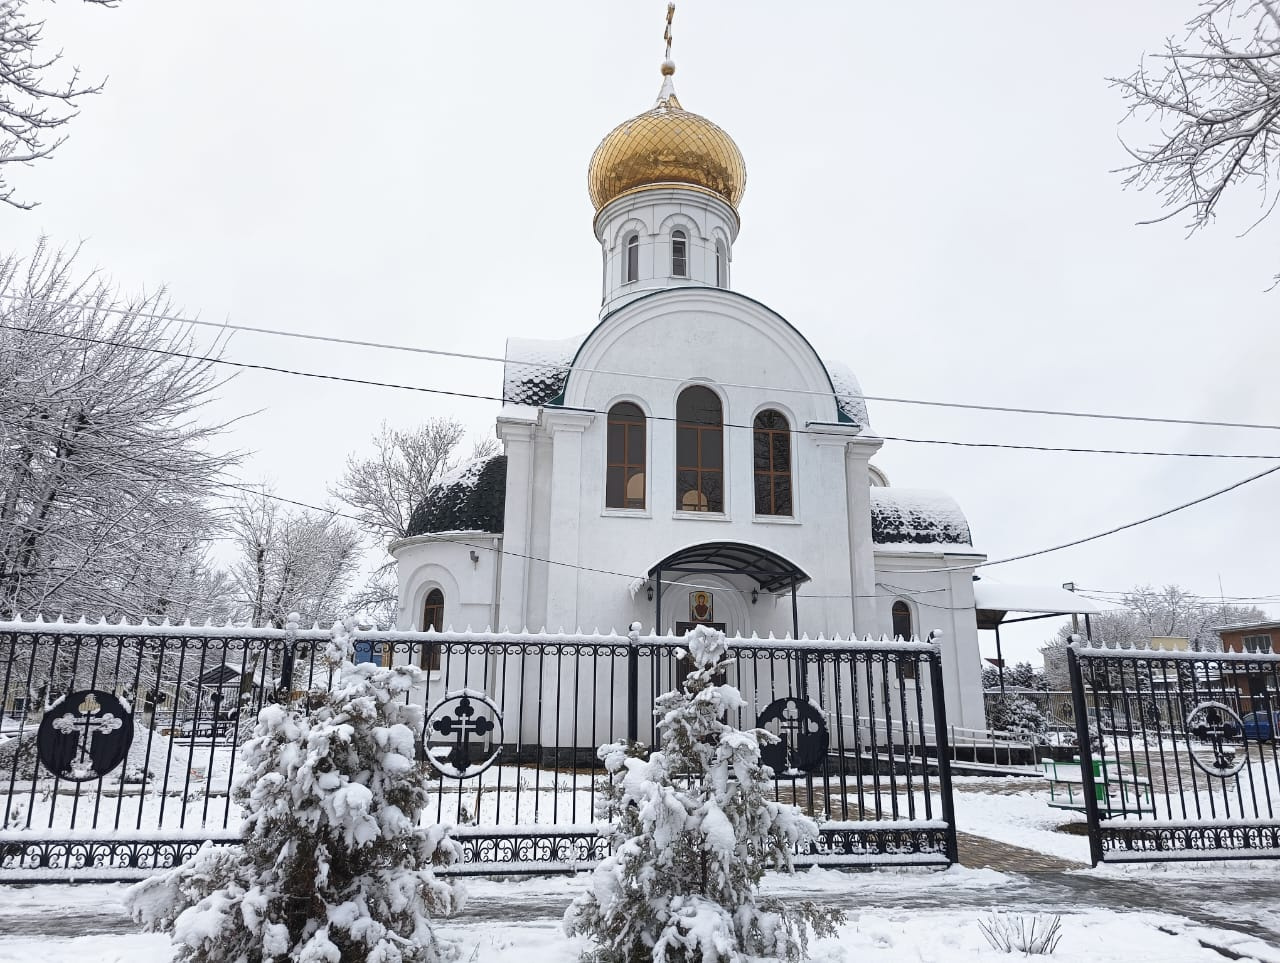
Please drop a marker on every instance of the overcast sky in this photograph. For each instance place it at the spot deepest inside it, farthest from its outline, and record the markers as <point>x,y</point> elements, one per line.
<point>930,199</point>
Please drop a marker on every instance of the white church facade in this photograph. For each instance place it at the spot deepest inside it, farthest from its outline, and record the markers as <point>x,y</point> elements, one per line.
<point>689,459</point>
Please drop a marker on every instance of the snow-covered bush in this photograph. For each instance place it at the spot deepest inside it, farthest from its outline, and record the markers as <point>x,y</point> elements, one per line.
<point>1012,713</point>
<point>332,866</point>
<point>694,834</point>
<point>1029,935</point>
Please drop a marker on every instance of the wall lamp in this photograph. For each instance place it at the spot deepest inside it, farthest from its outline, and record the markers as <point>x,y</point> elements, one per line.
<point>649,592</point>
<point>755,596</point>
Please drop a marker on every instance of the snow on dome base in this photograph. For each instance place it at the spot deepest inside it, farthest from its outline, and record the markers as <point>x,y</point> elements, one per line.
<point>917,517</point>
<point>471,498</point>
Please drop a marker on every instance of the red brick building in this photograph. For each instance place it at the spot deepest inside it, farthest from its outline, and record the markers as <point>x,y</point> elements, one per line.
<point>1254,638</point>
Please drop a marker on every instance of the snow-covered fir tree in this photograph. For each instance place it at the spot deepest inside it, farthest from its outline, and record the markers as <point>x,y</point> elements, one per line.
<point>333,865</point>
<point>694,835</point>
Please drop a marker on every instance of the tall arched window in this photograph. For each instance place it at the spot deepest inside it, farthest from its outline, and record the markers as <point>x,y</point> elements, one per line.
<point>631,268</point>
<point>902,621</point>
<point>721,272</point>
<point>432,620</point>
<point>699,451</point>
<point>679,254</point>
<point>772,446</point>
<point>624,474</point>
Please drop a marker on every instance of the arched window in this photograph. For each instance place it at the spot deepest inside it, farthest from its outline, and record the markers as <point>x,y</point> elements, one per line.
<point>721,274</point>
<point>432,620</point>
<point>624,474</point>
<point>699,451</point>
<point>772,446</point>
<point>631,270</point>
<point>902,621</point>
<point>679,254</point>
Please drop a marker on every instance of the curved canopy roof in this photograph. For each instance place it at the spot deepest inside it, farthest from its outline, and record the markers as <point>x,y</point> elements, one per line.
<point>771,571</point>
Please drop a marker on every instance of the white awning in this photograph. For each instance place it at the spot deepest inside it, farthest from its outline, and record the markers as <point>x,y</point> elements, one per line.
<point>1038,599</point>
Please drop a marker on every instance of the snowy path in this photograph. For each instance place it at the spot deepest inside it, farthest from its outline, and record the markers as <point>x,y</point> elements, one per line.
<point>893,915</point>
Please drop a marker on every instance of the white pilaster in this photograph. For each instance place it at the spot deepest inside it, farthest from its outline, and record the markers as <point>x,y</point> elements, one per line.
<point>862,561</point>
<point>566,428</point>
<point>517,441</point>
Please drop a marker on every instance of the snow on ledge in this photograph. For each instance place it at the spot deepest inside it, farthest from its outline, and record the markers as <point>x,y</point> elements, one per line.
<point>470,637</point>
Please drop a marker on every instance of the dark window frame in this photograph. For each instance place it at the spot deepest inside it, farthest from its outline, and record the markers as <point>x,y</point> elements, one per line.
<point>626,461</point>
<point>631,258</point>
<point>679,254</point>
<point>774,481</point>
<point>708,436</point>
<point>432,620</point>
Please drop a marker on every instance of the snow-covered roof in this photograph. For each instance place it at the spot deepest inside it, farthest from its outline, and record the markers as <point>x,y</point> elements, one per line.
<point>916,516</point>
<point>848,393</point>
<point>536,371</point>
<point>1037,599</point>
<point>471,498</point>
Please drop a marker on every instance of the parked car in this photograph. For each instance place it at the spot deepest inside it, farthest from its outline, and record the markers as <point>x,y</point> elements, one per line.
<point>1261,726</point>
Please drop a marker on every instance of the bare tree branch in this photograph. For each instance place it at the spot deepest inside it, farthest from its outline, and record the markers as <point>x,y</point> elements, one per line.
<point>1216,96</point>
<point>33,108</point>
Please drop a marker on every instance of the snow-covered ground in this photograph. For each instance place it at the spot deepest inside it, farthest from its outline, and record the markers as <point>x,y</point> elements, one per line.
<point>506,920</point>
<point>1125,914</point>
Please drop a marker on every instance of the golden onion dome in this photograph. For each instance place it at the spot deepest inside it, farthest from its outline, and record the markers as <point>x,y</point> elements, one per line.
<point>666,145</point>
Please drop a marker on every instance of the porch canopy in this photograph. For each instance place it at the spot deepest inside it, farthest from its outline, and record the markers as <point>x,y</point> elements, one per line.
<point>994,602</point>
<point>771,572</point>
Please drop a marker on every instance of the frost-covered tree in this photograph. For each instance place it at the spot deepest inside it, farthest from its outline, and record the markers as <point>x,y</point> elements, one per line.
<point>108,469</point>
<point>1209,104</point>
<point>35,107</point>
<point>290,559</point>
<point>333,865</point>
<point>1016,714</point>
<point>1019,676</point>
<point>694,834</point>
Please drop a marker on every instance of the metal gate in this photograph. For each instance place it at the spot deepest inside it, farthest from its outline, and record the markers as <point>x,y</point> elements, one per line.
<point>1178,753</point>
<point>118,744</point>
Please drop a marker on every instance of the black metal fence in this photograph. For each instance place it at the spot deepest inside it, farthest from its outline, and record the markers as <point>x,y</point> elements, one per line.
<point>118,744</point>
<point>1178,754</point>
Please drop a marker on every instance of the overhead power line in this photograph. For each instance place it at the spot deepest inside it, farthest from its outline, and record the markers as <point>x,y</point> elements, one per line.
<point>557,366</point>
<point>1110,531</point>
<point>366,382</point>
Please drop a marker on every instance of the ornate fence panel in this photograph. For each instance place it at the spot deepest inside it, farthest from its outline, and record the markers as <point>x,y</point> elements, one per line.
<point>118,744</point>
<point>1178,754</point>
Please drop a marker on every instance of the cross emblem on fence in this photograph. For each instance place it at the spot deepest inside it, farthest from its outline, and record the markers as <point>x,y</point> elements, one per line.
<point>461,717</point>
<point>90,721</point>
<point>1213,723</point>
<point>85,736</point>
<point>802,735</point>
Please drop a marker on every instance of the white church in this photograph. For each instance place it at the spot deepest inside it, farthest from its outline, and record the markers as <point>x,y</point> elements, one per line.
<point>690,459</point>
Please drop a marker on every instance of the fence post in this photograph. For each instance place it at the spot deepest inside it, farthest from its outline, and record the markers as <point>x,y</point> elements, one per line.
<point>288,656</point>
<point>1087,784</point>
<point>633,683</point>
<point>944,752</point>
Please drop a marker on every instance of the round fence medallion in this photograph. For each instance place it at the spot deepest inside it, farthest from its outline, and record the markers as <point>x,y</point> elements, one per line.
<point>84,736</point>
<point>1212,724</point>
<point>463,734</point>
<point>802,737</point>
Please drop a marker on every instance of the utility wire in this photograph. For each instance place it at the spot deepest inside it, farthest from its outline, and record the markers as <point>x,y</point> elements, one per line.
<point>274,369</point>
<point>559,366</point>
<point>1111,531</point>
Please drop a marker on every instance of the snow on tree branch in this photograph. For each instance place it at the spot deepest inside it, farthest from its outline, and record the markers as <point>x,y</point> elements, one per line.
<point>695,832</point>
<point>33,108</point>
<point>108,473</point>
<point>1215,97</point>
